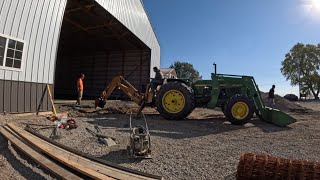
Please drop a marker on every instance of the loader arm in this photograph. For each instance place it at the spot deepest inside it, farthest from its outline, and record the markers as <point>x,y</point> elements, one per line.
<point>265,113</point>
<point>123,85</point>
<point>255,94</point>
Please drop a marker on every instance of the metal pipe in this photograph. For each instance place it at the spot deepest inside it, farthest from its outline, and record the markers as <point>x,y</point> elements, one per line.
<point>215,68</point>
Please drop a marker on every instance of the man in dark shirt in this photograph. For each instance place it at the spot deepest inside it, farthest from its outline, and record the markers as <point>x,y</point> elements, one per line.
<point>157,80</point>
<point>271,96</point>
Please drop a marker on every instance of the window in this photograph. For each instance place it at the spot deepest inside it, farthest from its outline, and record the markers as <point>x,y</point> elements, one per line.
<point>10,52</point>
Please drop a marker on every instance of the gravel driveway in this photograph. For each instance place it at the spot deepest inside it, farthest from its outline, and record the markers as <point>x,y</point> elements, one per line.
<point>204,146</point>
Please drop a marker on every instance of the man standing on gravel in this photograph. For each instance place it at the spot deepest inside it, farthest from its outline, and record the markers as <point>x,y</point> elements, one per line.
<point>80,88</point>
<point>271,96</point>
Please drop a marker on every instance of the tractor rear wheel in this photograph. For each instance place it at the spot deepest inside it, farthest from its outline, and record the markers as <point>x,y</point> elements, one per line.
<point>239,109</point>
<point>175,100</point>
<point>223,107</point>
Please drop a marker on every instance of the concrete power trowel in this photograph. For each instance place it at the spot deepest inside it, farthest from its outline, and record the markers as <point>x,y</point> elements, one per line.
<point>139,141</point>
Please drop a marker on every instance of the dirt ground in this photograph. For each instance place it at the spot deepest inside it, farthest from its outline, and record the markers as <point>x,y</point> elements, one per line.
<point>204,146</point>
<point>314,105</point>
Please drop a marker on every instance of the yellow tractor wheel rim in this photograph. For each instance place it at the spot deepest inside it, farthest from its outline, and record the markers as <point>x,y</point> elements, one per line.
<point>240,110</point>
<point>173,101</point>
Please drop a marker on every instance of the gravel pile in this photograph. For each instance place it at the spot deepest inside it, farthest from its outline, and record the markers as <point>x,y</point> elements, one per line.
<point>283,104</point>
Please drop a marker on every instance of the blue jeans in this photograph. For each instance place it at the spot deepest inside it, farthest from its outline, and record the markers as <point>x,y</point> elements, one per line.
<point>271,102</point>
<point>155,83</point>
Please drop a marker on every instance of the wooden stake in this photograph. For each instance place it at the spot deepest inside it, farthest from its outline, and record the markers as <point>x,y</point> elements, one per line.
<point>52,103</point>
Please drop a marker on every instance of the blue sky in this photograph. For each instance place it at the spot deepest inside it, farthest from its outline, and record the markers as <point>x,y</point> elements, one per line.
<point>247,37</point>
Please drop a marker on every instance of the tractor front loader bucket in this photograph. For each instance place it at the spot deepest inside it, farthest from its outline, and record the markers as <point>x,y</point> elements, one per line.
<point>268,114</point>
<point>277,117</point>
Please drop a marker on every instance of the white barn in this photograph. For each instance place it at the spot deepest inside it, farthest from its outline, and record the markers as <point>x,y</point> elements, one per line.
<point>52,41</point>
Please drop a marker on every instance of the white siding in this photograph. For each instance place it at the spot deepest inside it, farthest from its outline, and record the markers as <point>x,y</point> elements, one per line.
<point>54,45</point>
<point>44,43</point>
<point>27,31</point>
<point>37,62</point>
<point>33,42</point>
<point>14,30</point>
<point>38,24</point>
<point>54,17</point>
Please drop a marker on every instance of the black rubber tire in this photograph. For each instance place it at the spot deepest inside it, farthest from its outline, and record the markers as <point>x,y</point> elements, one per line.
<point>223,107</point>
<point>234,99</point>
<point>188,96</point>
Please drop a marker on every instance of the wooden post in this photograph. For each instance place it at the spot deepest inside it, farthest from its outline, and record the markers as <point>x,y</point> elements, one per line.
<point>41,100</point>
<point>52,103</point>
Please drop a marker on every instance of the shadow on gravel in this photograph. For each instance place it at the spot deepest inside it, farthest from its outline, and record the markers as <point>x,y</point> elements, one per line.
<point>158,126</point>
<point>16,164</point>
<point>119,157</point>
<point>181,129</point>
<point>268,127</point>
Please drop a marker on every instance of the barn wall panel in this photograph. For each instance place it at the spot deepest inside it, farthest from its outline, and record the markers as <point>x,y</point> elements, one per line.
<point>20,97</point>
<point>14,97</point>
<point>7,96</point>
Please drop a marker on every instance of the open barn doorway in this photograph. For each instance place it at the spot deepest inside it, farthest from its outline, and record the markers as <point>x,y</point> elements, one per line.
<point>95,43</point>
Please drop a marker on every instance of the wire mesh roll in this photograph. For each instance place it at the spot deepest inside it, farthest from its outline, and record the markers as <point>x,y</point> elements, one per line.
<point>259,166</point>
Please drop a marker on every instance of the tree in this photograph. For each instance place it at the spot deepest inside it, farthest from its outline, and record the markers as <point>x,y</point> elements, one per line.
<point>186,70</point>
<point>301,67</point>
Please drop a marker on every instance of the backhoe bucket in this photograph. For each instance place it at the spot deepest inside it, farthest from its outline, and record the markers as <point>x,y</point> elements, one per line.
<point>277,117</point>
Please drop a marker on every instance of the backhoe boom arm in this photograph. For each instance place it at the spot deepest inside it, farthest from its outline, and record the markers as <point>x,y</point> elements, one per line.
<point>125,86</point>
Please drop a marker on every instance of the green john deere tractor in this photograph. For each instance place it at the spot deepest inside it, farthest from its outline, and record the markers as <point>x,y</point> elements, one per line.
<point>237,96</point>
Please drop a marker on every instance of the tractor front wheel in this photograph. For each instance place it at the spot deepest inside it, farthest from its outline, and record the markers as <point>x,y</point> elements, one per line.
<point>175,101</point>
<point>239,109</point>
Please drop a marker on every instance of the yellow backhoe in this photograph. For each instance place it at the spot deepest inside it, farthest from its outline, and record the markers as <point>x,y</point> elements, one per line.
<point>119,82</point>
